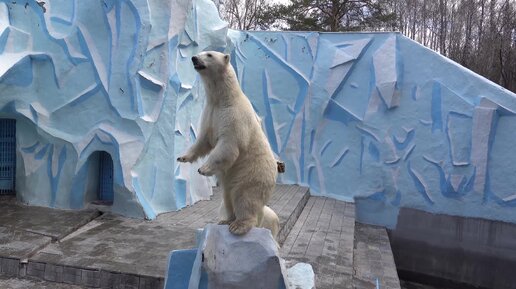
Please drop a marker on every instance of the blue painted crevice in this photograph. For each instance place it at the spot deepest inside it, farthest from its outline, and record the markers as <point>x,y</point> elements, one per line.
<point>437,122</point>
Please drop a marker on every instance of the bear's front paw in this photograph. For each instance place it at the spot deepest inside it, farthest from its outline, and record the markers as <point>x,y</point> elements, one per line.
<point>240,227</point>
<point>184,159</point>
<point>205,171</point>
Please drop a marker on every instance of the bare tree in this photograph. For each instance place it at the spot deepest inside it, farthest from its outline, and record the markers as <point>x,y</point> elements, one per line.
<point>479,34</point>
<point>246,14</point>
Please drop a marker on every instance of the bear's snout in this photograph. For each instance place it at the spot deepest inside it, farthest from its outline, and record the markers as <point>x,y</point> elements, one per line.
<point>197,63</point>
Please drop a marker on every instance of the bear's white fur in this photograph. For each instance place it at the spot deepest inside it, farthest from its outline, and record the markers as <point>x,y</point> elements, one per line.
<point>270,221</point>
<point>237,148</point>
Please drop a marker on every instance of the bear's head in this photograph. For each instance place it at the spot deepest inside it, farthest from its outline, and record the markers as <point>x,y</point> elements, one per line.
<point>210,62</point>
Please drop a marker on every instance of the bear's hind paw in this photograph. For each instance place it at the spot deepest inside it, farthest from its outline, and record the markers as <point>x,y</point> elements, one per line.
<point>240,227</point>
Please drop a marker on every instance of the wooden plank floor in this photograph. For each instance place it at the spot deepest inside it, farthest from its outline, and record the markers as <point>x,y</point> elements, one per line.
<point>323,236</point>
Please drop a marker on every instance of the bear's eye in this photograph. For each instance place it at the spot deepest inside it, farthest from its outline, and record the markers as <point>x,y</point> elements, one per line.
<point>209,54</point>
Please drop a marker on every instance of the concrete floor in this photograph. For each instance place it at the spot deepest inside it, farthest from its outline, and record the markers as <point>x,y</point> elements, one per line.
<point>139,247</point>
<point>118,244</point>
<point>89,249</point>
<point>24,230</point>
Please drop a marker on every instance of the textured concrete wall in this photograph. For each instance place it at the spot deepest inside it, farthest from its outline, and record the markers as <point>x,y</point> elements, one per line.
<point>444,250</point>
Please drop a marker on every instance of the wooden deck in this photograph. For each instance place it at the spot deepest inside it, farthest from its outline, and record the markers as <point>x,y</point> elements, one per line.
<point>323,237</point>
<point>343,254</point>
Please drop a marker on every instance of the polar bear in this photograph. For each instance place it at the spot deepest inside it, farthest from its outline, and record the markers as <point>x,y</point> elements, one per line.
<point>237,148</point>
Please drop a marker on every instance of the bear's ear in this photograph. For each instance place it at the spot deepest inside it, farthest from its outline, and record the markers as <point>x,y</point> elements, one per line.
<point>226,58</point>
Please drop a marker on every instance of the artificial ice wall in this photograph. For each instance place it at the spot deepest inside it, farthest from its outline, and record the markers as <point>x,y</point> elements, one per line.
<point>379,119</point>
<point>368,117</point>
<point>115,76</point>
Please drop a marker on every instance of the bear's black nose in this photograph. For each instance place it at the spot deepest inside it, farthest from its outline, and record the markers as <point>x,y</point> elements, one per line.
<point>194,59</point>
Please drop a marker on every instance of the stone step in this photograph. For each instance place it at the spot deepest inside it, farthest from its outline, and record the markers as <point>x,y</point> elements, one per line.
<point>323,236</point>
<point>288,203</point>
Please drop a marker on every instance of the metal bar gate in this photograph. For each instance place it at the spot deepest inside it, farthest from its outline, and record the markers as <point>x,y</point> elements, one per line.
<point>7,156</point>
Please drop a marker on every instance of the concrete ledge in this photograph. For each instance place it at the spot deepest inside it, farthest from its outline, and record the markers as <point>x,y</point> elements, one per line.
<point>10,266</point>
<point>7,282</point>
<point>372,259</point>
<point>91,277</point>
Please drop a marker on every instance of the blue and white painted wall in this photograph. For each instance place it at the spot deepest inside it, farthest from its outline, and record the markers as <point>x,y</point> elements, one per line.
<point>380,119</point>
<point>81,77</point>
<point>371,117</point>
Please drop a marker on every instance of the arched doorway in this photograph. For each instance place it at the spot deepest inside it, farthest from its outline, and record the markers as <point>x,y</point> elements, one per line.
<point>105,192</point>
<point>7,156</point>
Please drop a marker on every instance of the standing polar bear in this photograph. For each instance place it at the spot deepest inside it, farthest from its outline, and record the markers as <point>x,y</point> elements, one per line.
<point>239,153</point>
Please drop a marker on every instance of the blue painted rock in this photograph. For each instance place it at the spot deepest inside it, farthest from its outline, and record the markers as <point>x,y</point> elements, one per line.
<point>226,261</point>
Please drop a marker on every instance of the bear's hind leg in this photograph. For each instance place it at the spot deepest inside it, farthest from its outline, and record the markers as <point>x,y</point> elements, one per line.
<point>227,214</point>
<point>247,206</point>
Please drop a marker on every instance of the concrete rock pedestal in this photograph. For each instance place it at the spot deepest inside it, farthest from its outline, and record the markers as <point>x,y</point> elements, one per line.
<point>226,261</point>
